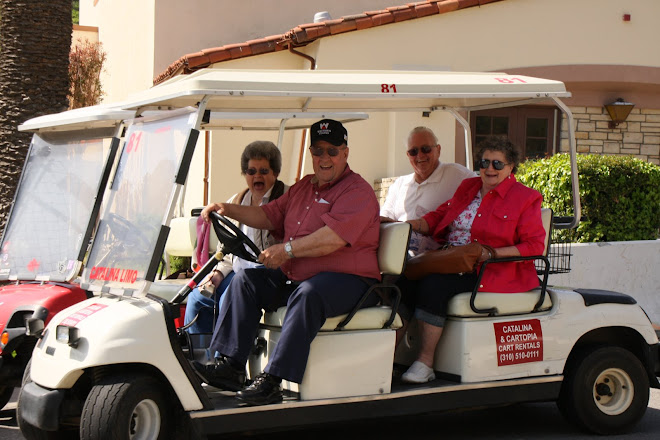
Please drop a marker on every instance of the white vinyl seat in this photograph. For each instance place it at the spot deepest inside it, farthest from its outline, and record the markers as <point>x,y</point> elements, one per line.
<point>365,319</point>
<point>505,303</point>
<point>182,239</point>
<point>392,251</point>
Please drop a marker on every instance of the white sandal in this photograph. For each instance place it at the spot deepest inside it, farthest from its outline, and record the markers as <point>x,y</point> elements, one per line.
<point>418,373</point>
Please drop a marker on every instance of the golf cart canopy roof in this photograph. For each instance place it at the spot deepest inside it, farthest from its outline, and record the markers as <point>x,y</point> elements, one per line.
<point>230,95</point>
<point>102,117</point>
<point>344,90</point>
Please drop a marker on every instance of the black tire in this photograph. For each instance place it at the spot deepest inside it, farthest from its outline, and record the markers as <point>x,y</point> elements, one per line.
<point>124,407</point>
<point>31,432</point>
<point>5,395</point>
<point>605,390</point>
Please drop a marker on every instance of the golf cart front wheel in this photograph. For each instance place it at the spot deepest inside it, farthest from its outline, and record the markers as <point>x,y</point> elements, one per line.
<point>605,390</point>
<point>126,408</point>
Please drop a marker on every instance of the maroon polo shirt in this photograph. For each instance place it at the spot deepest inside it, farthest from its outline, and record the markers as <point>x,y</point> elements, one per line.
<point>348,206</point>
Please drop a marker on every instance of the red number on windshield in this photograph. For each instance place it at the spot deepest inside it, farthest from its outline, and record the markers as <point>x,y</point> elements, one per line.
<point>133,142</point>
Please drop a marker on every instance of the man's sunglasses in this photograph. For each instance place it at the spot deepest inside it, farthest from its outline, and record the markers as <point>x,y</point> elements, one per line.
<point>332,151</point>
<point>253,171</point>
<point>498,165</point>
<point>415,150</point>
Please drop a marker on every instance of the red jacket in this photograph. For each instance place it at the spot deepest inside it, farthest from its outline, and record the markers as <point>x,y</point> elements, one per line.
<point>509,215</point>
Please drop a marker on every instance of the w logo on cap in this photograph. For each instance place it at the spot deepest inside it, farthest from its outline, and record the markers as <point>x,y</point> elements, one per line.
<point>324,125</point>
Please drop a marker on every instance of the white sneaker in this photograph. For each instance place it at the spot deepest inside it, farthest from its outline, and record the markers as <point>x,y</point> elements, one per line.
<point>418,373</point>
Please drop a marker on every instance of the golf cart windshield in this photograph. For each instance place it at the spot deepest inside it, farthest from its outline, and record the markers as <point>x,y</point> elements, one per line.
<point>51,220</point>
<point>131,231</point>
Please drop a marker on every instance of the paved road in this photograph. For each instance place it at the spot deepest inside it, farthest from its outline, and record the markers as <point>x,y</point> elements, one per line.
<point>8,427</point>
<point>538,421</point>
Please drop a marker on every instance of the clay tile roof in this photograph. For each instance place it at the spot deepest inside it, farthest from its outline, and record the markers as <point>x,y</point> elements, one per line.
<point>304,34</point>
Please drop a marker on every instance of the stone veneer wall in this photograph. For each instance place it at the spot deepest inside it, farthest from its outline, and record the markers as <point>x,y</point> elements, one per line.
<point>639,136</point>
<point>381,186</point>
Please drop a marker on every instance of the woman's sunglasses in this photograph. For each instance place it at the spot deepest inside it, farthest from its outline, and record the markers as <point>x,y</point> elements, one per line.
<point>498,165</point>
<point>253,171</point>
<point>414,151</point>
<point>332,151</point>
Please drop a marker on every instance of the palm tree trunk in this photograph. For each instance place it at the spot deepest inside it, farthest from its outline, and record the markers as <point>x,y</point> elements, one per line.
<point>34,57</point>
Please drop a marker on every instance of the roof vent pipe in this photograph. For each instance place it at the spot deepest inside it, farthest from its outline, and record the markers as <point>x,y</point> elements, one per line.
<point>322,16</point>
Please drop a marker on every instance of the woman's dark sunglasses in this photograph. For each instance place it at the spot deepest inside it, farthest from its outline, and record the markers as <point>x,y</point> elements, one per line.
<point>253,171</point>
<point>318,151</point>
<point>414,151</point>
<point>498,165</point>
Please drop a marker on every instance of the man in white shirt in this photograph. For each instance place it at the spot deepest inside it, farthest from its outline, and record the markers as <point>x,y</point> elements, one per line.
<point>431,184</point>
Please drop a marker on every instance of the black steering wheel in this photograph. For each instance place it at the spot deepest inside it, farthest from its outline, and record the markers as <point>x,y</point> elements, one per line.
<point>121,227</point>
<point>234,241</point>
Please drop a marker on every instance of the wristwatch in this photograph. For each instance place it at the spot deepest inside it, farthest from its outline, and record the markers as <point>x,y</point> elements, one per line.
<point>288,250</point>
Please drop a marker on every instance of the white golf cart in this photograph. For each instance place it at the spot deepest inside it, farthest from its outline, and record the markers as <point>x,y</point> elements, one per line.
<point>116,366</point>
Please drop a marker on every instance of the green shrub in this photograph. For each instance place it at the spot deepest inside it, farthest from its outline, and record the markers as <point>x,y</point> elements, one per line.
<point>179,263</point>
<point>620,195</point>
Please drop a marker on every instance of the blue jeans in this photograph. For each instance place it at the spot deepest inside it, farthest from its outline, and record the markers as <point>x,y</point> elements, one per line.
<point>203,306</point>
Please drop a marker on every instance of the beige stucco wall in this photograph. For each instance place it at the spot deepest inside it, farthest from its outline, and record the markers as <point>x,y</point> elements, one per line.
<point>141,41</point>
<point>504,35</point>
<point>213,23</point>
<point>84,33</point>
<point>143,37</point>
<point>126,30</point>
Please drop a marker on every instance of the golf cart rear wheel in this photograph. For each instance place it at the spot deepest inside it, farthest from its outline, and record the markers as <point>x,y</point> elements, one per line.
<point>5,395</point>
<point>126,407</point>
<point>605,390</point>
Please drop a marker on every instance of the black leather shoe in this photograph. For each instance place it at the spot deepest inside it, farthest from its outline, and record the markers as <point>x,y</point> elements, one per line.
<point>221,374</point>
<point>263,391</point>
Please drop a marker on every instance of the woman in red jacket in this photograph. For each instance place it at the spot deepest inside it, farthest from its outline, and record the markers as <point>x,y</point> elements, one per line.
<point>493,209</point>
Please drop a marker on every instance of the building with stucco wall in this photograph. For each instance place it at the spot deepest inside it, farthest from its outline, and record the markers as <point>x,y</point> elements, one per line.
<point>601,49</point>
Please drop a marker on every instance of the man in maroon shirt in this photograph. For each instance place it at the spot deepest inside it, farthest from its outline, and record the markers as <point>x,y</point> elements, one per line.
<point>329,224</point>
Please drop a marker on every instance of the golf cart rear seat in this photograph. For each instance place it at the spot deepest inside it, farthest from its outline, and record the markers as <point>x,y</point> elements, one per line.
<point>392,250</point>
<point>471,320</point>
<point>365,336</point>
<point>473,304</point>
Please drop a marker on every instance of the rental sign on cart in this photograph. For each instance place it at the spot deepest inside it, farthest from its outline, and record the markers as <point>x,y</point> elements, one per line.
<point>518,342</point>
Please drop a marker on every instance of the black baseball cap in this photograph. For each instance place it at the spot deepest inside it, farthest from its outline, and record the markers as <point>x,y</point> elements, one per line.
<point>330,131</point>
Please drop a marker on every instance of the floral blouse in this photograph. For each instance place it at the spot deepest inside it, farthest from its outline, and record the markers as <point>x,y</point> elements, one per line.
<point>459,230</point>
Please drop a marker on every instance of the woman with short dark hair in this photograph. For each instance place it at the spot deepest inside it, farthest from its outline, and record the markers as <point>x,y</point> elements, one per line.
<point>261,162</point>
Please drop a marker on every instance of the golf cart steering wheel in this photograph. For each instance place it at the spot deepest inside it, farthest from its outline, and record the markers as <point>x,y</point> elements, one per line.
<point>121,227</point>
<point>234,241</point>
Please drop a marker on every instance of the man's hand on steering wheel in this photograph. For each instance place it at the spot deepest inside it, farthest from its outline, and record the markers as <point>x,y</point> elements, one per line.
<point>274,256</point>
<point>220,208</point>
